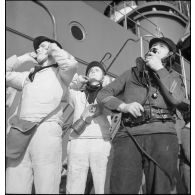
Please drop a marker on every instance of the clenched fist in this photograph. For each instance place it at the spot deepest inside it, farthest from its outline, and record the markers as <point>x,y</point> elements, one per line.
<point>134,108</point>
<point>28,57</point>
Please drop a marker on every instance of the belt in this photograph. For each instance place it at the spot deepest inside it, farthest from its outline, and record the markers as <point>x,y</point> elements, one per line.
<point>155,115</point>
<point>159,113</point>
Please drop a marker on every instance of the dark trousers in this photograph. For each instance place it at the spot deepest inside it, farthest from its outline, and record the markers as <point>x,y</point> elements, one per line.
<point>129,163</point>
<point>185,160</point>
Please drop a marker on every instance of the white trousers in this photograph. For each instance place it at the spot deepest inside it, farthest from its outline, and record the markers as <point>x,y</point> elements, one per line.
<point>82,154</point>
<point>41,163</point>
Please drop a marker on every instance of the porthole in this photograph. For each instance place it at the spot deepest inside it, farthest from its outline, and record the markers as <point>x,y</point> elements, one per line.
<point>77,31</point>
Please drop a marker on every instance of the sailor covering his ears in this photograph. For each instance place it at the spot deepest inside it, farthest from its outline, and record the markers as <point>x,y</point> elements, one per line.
<point>42,92</point>
<point>89,142</point>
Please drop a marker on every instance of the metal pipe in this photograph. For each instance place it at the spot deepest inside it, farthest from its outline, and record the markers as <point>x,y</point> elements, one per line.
<point>125,21</point>
<point>138,29</point>
<point>142,15</point>
<point>106,54</point>
<point>141,46</point>
<point>51,16</point>
<point>120,52</point>
<point>19,33</point>
<point>188,10</point>
<point>31,39</point>
<point>157,27</point>
<point>180,8</point>
<point>184,73</point>
<point>114,12</point>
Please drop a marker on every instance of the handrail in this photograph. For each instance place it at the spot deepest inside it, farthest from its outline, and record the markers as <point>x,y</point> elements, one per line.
<point>130,39</point>
<point>179,12</point>
<point>132,20</point>
<point>19,33</point>
<point>51,16</point>
<point>141,45</point>
<point>31,39</point>
<point>142,15</point>
<point>162,3</point>
<point>157,27</point>
<point>103,58</point>
<point>160,12</point>
<point>183,73</point>
<point>180,15</point>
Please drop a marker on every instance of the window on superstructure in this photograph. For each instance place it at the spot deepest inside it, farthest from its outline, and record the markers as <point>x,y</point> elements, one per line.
<point>77,31</point>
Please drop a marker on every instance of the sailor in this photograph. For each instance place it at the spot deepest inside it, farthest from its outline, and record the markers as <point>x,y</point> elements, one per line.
<point>89,141</point>
<point>146,139</point>
<point>42,93</point>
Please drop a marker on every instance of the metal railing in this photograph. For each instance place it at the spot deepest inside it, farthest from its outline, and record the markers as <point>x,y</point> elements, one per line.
<point>51,16</point>
<point>19,33</point>
<point>120,50</point>
<point>131,20</point>
<point>141,40</point>
<point>183,73</point>
<point>127,4</point>
<point>108,53</point>
<point>78,59</point>
<point>182,65</point>
<point>182,6</point>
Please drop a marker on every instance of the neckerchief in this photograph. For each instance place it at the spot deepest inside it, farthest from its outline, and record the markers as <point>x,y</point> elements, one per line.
<point>91,95</point>
<point>39,68</point>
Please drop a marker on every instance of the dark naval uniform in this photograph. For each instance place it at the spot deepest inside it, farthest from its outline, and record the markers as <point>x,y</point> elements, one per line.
<point>154,146</point>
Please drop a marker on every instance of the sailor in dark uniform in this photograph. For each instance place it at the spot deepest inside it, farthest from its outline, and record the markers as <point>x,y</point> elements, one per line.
<point>146,139</point>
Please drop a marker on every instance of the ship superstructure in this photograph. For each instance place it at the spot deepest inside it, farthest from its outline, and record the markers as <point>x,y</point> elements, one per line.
<point>116,35</point>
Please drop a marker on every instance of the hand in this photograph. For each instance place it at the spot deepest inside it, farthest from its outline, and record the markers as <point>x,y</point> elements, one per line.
<point>91,112</point>
<point>78,81</point>
<point>134,108</point>
<point>28,57</point>
<point>153,61</point>
<point>83,79</point>
<point>52,46</point>
<point>33,55</point>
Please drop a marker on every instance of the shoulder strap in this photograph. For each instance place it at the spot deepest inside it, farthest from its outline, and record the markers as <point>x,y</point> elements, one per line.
<point>50,114</point>
<point>19,105</point>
